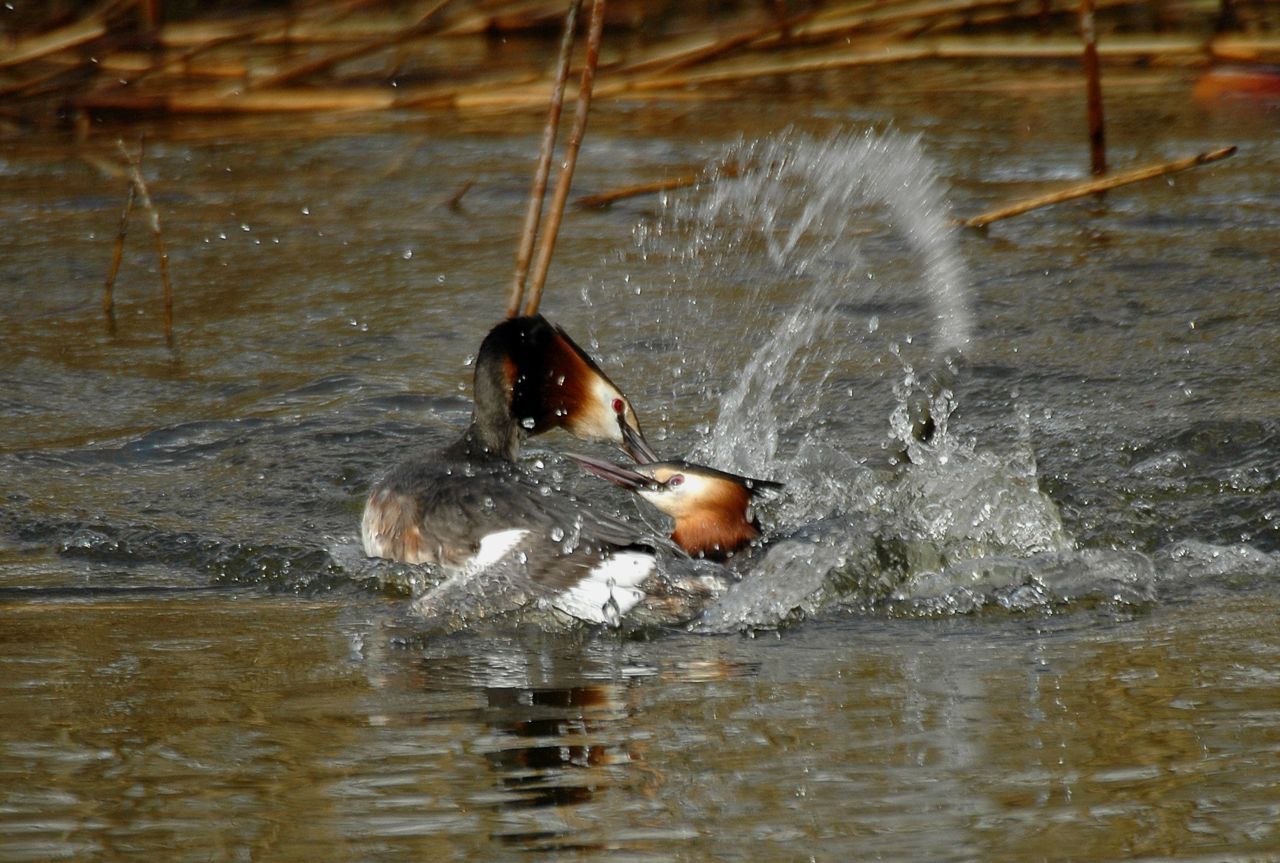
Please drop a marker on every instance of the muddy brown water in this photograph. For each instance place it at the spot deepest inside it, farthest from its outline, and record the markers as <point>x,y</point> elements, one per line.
<point>191,669</point>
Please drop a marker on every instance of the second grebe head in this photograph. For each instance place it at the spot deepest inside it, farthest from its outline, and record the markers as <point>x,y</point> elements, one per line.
<point>545,381</point>
<point>711,508</point>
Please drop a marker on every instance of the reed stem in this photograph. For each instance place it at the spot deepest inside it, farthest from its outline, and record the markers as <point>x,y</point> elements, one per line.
<point>533,212</point>
<point>117,254</point>
<point>153,216</point>
<point>1093,83</point>
<point>548,245</point>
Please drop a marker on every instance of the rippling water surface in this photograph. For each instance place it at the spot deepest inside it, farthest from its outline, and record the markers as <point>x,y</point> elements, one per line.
<point>1051,636</point>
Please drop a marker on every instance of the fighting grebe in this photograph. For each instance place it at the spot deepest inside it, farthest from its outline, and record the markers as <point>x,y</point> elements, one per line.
<point>711,508</point>
<point>470,510</point>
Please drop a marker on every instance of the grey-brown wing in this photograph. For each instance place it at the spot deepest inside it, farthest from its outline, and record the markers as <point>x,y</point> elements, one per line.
<point>509,542</point>
<point>423,514</point>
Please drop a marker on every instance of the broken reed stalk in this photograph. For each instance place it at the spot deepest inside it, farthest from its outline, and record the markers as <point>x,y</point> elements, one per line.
<point>1093,83</point>
<point>66,38</point>
<point>117,254</point>
<point>674,61</point>
<point>135,174</point>
<point>814,27</point>
<point>595,34</point>
<point>1101,184</point>
<point>254,30</point>
<point>417,28</point>
<point>533,213</point>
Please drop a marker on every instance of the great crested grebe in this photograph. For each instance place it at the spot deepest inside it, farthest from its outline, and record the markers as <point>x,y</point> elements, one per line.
<point>711,508</point>
<point>470,510</point>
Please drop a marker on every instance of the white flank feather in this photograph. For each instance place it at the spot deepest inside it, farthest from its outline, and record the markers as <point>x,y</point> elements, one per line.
<point>609,590</point>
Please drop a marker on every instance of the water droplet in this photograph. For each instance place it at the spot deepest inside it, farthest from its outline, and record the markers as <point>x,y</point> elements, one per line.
<point>557,534</point>
<point>610,611</point>
<point>408,253</point>
<point>528,422</point>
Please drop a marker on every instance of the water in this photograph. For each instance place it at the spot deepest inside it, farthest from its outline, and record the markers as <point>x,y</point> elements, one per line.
<point>1051,636</point>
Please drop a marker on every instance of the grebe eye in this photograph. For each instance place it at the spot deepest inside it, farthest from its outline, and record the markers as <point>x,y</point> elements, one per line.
<point>619,406</point>
<point>676,480</point>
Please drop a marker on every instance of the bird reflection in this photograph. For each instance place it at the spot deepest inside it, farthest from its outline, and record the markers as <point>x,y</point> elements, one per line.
<point>550,747</point>
<point>553,750</point>
<point>559,732</point>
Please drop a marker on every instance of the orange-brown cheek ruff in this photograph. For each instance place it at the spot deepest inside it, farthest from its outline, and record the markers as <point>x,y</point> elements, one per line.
<point>713,536</point>
<point>716,527</point>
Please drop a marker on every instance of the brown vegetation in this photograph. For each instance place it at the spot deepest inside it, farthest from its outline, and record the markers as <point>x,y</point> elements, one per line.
<point>135,56</point>
<point>71,60</point>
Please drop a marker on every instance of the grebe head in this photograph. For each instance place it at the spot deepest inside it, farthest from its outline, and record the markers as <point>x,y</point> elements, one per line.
<point>531,371</point>
<point>711,508</point>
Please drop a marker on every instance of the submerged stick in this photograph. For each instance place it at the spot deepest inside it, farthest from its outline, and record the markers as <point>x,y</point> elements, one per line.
<point>1099,185</point>
<point>135,173</point>
<point>454,201</point>
<point>594,36</point>
<point>604,199</point>
<point>533,213</point>
<point>117,253</point>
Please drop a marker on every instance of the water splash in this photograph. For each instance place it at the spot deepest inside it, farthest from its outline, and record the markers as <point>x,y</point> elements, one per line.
<point>815,241</point>
<point>825,270</point>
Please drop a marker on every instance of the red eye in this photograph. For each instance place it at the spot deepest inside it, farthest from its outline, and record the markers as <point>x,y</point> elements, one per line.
<point>676,480</point>
<point>619,406</point>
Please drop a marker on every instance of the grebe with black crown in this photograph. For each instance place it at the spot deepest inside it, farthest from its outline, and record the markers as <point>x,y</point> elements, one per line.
<point>503,539</point>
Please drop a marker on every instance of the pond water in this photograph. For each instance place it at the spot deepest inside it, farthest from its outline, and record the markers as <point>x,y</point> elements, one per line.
<point>1071,652</point>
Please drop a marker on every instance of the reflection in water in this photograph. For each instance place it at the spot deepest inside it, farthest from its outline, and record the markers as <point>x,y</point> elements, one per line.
<point>534,753</point>
<point>258,729</point>
<point>548,749</point>
<point>562,736</point>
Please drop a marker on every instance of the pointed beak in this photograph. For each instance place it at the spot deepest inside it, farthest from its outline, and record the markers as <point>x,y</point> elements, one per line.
<point>634,444</point>
<point>615,473</point>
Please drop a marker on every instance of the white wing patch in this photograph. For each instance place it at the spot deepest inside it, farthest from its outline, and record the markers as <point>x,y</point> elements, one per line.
<point>454,590</point>
<point>493,548</point>
<point>609,590</point>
